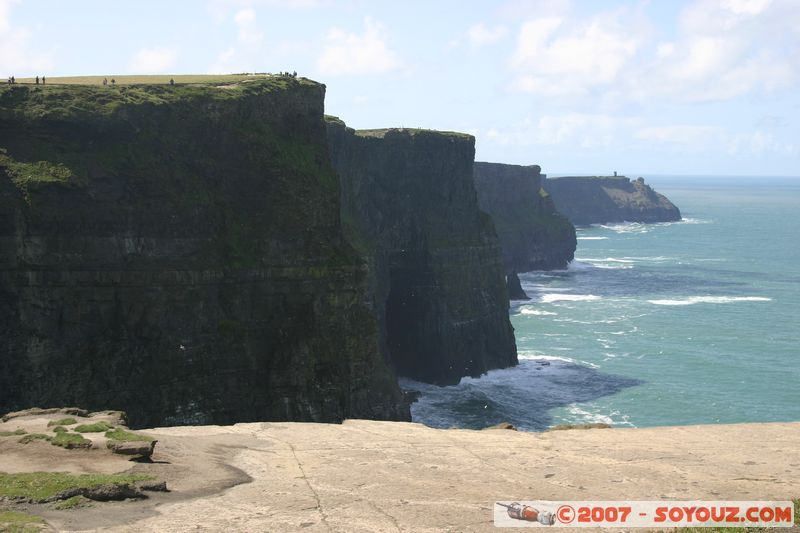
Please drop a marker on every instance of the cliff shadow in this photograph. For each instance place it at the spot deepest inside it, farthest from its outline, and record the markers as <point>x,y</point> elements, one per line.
<point>523,395</point>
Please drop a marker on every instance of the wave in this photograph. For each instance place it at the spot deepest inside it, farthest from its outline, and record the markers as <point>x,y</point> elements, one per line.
<point>626,227</point>
<point>710,300</point>
<point>537,312</point>
<point>689,220</point>
<point>592,238</point>
<point>559,297</point>
<point>589,417</point>
<point>605,260</point>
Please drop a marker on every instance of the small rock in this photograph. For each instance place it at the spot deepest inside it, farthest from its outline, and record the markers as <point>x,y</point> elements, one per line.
<point>132,448</point>
<point>152,486</point>
<point>502,425</point>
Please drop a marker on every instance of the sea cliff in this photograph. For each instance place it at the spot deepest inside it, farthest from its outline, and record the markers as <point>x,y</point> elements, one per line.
<point>533,234</point>
<point>439,288</point>
<point>177,253</point>
<point>601,199</point>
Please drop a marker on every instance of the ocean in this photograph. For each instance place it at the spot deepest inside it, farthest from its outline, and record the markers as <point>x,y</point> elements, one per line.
<point>691,322</point>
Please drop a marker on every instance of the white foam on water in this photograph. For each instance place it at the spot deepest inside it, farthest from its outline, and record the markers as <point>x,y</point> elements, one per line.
<point>605,260</point>
<point>534,356</point>
<point>691,300</point>
<point>576,266</point>
<point>627,227</point>
<point>558,297</point>
<point>588,417</point>
<point>592,238</point>
<point>689,221</point>
<point>537,312</point>
<point>612,267</point>
<point>656,258</point>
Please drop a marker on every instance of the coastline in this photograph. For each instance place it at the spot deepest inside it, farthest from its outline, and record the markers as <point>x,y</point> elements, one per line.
<point>396,476</point>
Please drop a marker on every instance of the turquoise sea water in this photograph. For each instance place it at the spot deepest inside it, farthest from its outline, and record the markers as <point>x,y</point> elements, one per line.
<point>693,322</point>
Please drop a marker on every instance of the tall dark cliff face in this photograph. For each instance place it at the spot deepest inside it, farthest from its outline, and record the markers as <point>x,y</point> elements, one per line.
<point>533,235</point>
<point>597,200</point>
<point>177,253</point>
<point>439,285</point>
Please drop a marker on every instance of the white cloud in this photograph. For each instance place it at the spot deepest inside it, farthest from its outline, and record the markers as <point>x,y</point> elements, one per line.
<point>555,56</point>
<point>583,130</point>
<point>352,53</point>
<point>5,13</point>
<point>153,60</point>
<point>723,49</point>
<point>759,143</point>
<point>245,20</point>
<point>17,57</point>
<point>220,9</point>
<point>679,134</point>
<point>480,35</point>
<point>728,48</point>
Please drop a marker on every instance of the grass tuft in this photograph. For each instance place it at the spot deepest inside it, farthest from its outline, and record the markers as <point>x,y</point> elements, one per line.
<point>39,486</point>
<point>97,427</point>
<point>70,441</point>
<point>34,436</point>
<point>62,422</point>
<point>127,436</point>
<point>17,522</point>
<point>72,503</point>
<point>19,431</point>
<point>60,429</point>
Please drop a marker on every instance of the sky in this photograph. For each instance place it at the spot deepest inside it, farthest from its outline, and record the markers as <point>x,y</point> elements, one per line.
<point>696,87</point>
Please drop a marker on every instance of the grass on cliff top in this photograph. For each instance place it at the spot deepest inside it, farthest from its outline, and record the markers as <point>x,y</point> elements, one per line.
<point>66,100</point>
<point>146,79</point>
<point>39,486</point>
<point>381,133</point>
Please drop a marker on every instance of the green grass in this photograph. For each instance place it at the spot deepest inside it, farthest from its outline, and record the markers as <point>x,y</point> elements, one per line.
<point>17,522</point>
<point>60,429</point>
<point>70,441</point>
<point>34,436</point>
<point>91,101</point>
<point>12,433</point>
<point>97,427</point>
<point>23,174</point>
<point>151,79</point>
<point>39,486</point>
<point>71,503</point>
<point>127,436</point>
<point>381,133</point>
<point>62,422</point>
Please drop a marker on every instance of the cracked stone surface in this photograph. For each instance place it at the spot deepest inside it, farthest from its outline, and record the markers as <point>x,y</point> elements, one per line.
<point>366,476</point>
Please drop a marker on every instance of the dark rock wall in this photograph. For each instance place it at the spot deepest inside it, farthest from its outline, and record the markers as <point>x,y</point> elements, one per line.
<point>533,235</point>
<point>177,253</point>
<point>598,200</point>
<point>440,294</point>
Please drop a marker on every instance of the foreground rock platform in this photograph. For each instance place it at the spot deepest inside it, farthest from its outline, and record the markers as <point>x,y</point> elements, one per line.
<point>391,476</point>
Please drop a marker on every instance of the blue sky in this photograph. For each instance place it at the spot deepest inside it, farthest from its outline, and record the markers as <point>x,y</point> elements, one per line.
<point>659,86</point>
